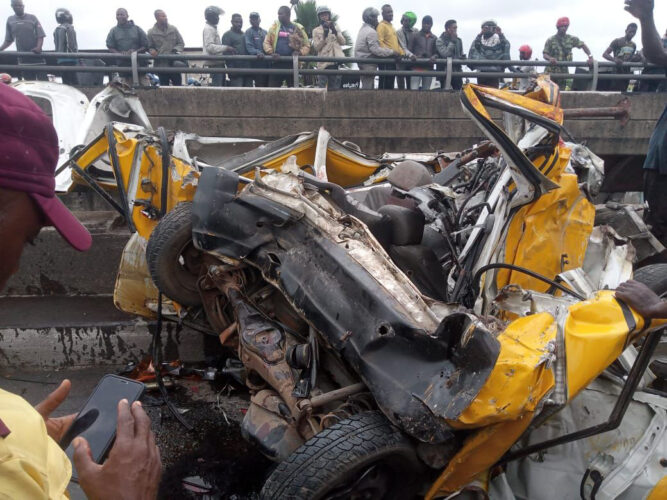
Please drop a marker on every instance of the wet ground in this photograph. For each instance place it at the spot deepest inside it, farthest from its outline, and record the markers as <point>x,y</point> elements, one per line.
<point>211,461</point>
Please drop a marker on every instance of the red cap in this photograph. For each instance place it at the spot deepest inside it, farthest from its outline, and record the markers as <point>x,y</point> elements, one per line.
<point>28,159</point>
<point>563,21</point>
<point>527,50</point>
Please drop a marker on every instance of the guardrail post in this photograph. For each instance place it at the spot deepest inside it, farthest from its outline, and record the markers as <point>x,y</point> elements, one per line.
<point>135,69</point>
<point>448,78</point>
<point>295,70</point>
<point>596,73</point>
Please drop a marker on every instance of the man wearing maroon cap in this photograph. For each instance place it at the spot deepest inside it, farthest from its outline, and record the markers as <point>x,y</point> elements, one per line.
<point>559,47</point>
<point>32,465</point>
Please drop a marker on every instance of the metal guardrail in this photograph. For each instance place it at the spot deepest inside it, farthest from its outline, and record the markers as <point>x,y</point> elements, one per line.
<point>137,64</point>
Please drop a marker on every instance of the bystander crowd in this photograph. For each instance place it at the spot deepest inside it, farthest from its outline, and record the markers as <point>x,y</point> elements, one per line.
<point>368,46</point>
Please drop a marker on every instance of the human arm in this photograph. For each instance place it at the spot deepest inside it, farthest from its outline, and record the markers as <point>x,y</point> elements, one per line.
<point>111,42</point>
<point>653,50</point>
<point>72,44</point>
<point>152,45</point>
<point>339,36</point>
<point>608,54</point>
<point>143,40</point>
<point>305,42</point>
<point>9,37</point>
<point>133,468</point>
<point>211,47</point>
<point>319,40</point>
<point>375,48</point>
<point>268,41</point>
<point>546,53</point>
<point>642,299</point>
<point>442,48</point>
<point>180,43</point>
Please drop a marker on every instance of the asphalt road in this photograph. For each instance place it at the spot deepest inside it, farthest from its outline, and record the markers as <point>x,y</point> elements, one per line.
<point>209,462</point>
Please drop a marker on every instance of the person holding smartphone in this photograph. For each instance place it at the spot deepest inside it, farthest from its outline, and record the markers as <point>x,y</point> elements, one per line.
<point>32,464</point>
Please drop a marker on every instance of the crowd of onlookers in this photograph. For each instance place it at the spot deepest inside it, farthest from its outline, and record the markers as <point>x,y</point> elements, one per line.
<point>408,48</point>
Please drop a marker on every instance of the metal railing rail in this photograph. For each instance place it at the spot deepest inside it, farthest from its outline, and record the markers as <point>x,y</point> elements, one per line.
<point>137,64</point>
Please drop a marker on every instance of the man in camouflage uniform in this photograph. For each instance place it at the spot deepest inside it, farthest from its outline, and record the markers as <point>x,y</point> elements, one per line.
<point>559,47</point>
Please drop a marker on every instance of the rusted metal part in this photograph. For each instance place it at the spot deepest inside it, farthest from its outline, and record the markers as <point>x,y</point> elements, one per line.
<point>329,397</point>
<point>620,112</point>
<point>228,332</point>
<point>269,426</point>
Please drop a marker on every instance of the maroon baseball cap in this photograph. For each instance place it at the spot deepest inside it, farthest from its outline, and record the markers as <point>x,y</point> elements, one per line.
<point>28,159</point>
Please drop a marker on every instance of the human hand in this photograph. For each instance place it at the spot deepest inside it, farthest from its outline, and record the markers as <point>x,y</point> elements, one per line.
<point>231,51</point>
<point>275,55</point>
<point>641,9</point>
<point>413,57</point>
<point>640,297</point>
<point>133,469</point>
<point>36,50</point>
<point>433,58</point>
<point>618,60</point>
<point>552,60</point>
<point>260,55</point>
<point>57,426</point>
<point>590,60</point>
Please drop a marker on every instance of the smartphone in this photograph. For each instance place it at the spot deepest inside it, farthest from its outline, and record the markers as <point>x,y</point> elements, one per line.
<point>97,419</point>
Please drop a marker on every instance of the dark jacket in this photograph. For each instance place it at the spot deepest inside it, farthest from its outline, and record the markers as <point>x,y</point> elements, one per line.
<point>499,52</point>
<point>422,45</point>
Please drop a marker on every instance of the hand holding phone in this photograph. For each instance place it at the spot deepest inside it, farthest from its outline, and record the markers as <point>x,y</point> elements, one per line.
<point>133,467</point>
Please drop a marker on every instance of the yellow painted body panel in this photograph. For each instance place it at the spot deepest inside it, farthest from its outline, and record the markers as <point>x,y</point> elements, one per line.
<point>596,333</point>
<point>548,236</point>
<point>660,490</point>
<point>478,454</point>
<point>519,379</point>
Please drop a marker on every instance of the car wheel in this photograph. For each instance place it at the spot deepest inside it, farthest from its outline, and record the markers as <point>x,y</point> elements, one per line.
<point>173,260</point>
<point>363,456</point>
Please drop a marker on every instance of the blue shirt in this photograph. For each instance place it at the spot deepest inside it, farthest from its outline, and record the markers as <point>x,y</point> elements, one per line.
<point>254,40</point>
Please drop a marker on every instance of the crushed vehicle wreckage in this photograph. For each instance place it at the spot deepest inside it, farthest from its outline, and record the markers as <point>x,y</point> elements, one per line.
<point>407,323</point>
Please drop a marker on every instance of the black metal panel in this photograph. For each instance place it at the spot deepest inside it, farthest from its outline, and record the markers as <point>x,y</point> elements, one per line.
<point>418,378</point>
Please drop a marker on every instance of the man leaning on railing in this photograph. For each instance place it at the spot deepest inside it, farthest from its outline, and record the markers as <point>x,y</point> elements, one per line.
<point>164,38</point>
<point>26,31</point>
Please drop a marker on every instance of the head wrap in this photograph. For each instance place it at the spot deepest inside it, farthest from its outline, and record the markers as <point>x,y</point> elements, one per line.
<point>412,17</point>
<point>563,21</point>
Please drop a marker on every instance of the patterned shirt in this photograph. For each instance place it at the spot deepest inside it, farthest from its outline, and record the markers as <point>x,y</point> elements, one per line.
<point>561,49</point>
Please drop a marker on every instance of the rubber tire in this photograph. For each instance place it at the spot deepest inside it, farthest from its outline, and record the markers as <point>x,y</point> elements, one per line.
<point>163,250</point>
<point>320,464</point>
<point>653,276</point>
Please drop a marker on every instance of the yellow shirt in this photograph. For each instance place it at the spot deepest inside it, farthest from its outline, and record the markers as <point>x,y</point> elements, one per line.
<point>388,38</point>
<point>32,465</point>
